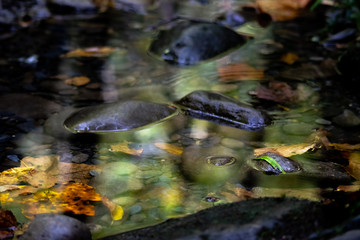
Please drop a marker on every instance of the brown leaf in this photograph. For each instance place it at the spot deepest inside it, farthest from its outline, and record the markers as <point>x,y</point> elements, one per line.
<point>124,147</point>
<point>77,81</point>
<point>283,10</point>
<point>42,163</point>
<point>169,148</point>
<point>287,150</point>
<point>354,165</point>
<point>289,58</point>
<point>239,72</point>
<point>90,52</point>
<point>279,92</point>
<point>8,224</point>
<point>345,146</point>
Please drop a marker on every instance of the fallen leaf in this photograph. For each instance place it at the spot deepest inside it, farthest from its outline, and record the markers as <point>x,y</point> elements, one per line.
<point>42,163</point>
<point>124,147</point>
<point>279,92</point>
<point>72,198</point>
<point>239,72</point>
<point>170,148</point>
<point>13,176</point>
<point>289,58</point>
<point>8,224</point>
<point>287,150</point>
<point>90,52</point>
<point>77,81</point>
<point>283,10</point>
<point>345,146</point>
<point>116,211</point>
<point>354,165</point>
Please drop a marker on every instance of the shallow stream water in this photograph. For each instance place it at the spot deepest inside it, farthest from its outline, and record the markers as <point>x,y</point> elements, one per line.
<point>155,173</point>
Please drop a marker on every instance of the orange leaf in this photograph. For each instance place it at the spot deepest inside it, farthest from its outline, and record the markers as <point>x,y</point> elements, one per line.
<point>345,146</point>
<point>90,52</point>
<point>354,165</point>
<point>169,148</point>
<point>124,147</point>
<point>239,72</point>
<point>289,58</point>
<point>283,10</point>
<point>73,198</point>
<point>77,81</point>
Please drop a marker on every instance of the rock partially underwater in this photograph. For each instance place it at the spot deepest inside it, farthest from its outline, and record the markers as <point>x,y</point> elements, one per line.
<point>223,110</point>
<point>190,42</point>
<point>119,116</point>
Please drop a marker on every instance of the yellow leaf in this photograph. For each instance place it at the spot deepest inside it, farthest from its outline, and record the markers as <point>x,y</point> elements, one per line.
<point>354,165</point>
<point>289,58</point>
<point>124,147</point>
<point>13,176</point>
<point>90,52</point>
<point>117,212</point>
<point>169,148</point>
<point>287,150</point>
<point>77,81</point>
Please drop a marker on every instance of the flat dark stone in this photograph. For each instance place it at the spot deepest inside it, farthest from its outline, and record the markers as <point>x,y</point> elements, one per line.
<point>190,42</point>
<point>223,110</point>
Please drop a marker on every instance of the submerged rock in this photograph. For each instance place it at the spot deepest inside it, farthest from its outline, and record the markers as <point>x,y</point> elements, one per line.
<point>190,42</point>
<point>223,110</point>
<point>56,227</point>
<point>119,116</point>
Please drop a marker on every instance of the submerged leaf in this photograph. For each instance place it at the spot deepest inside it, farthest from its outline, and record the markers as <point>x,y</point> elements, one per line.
<point>169,148</point>
<point>77,81</point>
<point>239,72</point>
<point>224,110</point>
<point>90,52</point>
<point>287,150</point>
<point>119,116</point>
<point>124,147</point>
<point>116,211</point>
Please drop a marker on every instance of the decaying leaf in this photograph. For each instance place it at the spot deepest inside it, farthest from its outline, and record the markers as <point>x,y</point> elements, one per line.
<point>72,198</point>
<point>8,224</point>
<point>239,72</point>
<point>289,58</point>
<point>125,148</point>
<point>345,146</point>
<point>116,211</point>
<point>13,176</point>
<point>77,81</point>
<point>90,52</point>
<point>283,10</point>
<point>354,165</point>
<point>287,150</point>
<point>279,92</point>
<point>170,148</point>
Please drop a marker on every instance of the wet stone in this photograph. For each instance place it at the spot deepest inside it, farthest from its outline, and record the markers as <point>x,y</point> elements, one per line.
<point>190,42</point>
<point>286,164</point>
<point>80,158</point>
<point>221,109</point>
<point>56,227</point>
<point>347,119</point>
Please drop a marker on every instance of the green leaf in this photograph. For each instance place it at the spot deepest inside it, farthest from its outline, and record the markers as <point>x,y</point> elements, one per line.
<point>272,162</point>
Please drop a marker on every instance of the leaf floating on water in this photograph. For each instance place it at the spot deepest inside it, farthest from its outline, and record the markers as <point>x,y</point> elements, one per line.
<point>345,146</point>
<point>170,148</point>
<point>239,72</point>
<point>77,81</point>
<point>119,116</point>
<point>90,52</point>
<point>124,147</point>
<point>223,110</point>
